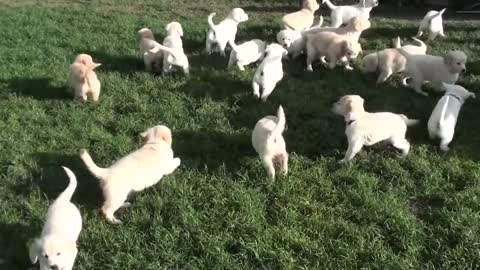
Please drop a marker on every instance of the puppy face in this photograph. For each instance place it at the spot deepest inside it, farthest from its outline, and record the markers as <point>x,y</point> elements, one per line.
<point>174,27</point>
<point>239,15</point>
<point>86,60</point>
<point>348,105</point>
<point>374,3</point>
<point>286,38</point>
<point>370,63</point>
<point>351,49</point>
<point>52,252</point>
<point>145,33</point>
<point>359,23</point>
<point>458,91</point>
<point>158,133</point>
<point>275,50</point>
<point>456,60</point>
<point>312,5</point>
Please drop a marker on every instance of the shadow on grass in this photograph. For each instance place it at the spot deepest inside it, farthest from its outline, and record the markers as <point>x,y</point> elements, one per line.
<point>15,237</point>
<point>38,88</point>
<point>125,64</point>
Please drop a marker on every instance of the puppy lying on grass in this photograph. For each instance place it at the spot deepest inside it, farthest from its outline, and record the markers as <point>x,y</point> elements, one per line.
<point>302,19</point>
<point>268,141</point>
<point>56,248</point>
<point>443,120</point>
<point>83,80</point>
<point>364,128</point>
<point>269,72</point>
<point>245,53</point>
<point>135,172</point>
<point>220,34</point>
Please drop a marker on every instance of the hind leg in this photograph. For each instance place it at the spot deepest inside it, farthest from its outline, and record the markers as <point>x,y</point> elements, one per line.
<point>402,144</point>
<point>445,141</point>
<point>283,158</point>
<point>222,46</point>
<point>268,164</point>
<point>432,36</point>
<point>256,89</point>
<point>267,90</point>
<point>114,200</point>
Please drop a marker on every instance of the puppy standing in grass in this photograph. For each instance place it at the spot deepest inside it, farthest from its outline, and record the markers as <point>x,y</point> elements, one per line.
<point>146,43</point>
<point>83,79</point>
<point>173,54</point>
<point>268,141</point>
<point>433,24</point>
<point>342,14</point>
<point>56,248</point>
<point>245,53</point>
<point>364,128</point>
<point>302,19</point>
<point>226,30</point>
<point>269,72</point>
<point>444,117</point>
<point>135,172</point>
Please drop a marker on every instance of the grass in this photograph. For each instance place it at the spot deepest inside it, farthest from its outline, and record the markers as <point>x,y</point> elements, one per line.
<point>219,210</point>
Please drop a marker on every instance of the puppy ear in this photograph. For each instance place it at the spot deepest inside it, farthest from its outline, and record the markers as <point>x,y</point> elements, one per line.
<point>165,135</point>
<point>180,30</point>
<point>448,59</point>
<point>34,251</point>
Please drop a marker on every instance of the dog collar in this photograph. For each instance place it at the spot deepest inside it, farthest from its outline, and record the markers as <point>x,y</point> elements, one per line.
<point>350,122</point>
<point>455,96</point>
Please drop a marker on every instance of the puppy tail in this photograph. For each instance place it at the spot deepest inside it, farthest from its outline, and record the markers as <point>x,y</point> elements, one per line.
<point>420,43</point>
<point>210,21</point>
<point>278,130</point>
<point>91,166</point>
<point>157,47</point>
<point>440,13</point>
<point>67,194</point>
<point>397,43</point>
<point>329,4</point>
<point>409,122</point>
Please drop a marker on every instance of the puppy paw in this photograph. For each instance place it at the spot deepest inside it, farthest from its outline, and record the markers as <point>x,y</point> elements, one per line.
<point>264,99</point>
<point>114,221</point>
<point>348,68</point>
<point>309,68</point>
<point>444,148</point>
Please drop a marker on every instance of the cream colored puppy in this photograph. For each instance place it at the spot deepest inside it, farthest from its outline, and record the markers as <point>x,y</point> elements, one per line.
<point>83,80</point>
<point>443,120</point>
<point>420,48</point>
<point>145,39</point>
<point>174,56</point>
<point>57,246</point>
<point>269,72</point>
<point>292,41</point>
<point>220,34</point>
<point>432,23</point>
<point>245,53</point>
<point>352,30</point>
<point>302,19</point>
<point>333,46</point>
<point>364,128</point>
<point>268,141</point>
<point>135,172</point>
<point>342,14</point>
<point>435,69</point>
<point>390,61</point>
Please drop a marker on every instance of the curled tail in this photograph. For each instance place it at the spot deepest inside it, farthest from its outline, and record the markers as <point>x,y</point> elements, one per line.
<point>98,172</point>
<point>397,43</point>
<point>278,130</point>
<point>210,21</point>
<point>440,13</point>
<point>420,43</point>
<point>329,4</point>
<point>408,122</point>
<point>67,194</point>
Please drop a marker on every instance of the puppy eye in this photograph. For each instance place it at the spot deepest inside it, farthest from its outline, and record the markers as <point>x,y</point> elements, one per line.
<point>58,254</point>
<point>458,63</point>
<point>283,39</point>
<point>45,255</point>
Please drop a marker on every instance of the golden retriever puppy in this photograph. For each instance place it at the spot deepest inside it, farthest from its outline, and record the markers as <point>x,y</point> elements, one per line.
<point>364,128</point>
<point>268,141</point>
<point>220,34</point>
<point>419,48</point>
<point>135,172</point>
<point>245,53</point>
<point>269,72</point>
<point>57,246</point>
<point>352,30</point>
<point>174,56</point>
<point>83,80</point>
<point>390,61</point>
<point>151,60</point>
<point>332,46</point>
<point>342,14</point>
<point>302,19</point>
<point>435,69</point>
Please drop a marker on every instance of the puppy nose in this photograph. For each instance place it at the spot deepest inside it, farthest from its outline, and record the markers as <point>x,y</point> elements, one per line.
<point>464,70</point>
<point>54,267</point>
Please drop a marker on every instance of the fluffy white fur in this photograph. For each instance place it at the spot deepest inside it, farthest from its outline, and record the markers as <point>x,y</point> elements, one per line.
<point>269,72</point>
<point>245,53</point>
<point>56,248</point>
<point>390,61</point>
<point>226,30</point>
<point>342,14</point>
<point>83,80</point>
<point>293,41</point>
<point>135,172</point>
<point>268,141</point>
<point>435,69</point>
<point>432,24</point>
<point>146,43</point>
<point>441,124</point>
<point>352,30</point>
<point>364,128</point>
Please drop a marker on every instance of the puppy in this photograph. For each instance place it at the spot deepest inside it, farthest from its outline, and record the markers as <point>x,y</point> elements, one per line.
<point>220,34</point>
<point>436,69</point>
<point>390,61</point>
<point>245,53</point>
<point>302,19</point>
<point>364,128</point>
<point>342,14</point>
<point>175,56</point>
<point>352,30</point>
<point>444,117</point>
<point>334,47</point>
<point>433,24</point>
<point>420,48</point>
<point>145,38</point>
<point>83,80</point>
<point>269,72</point>
<point>57,246</point>
<point>135,172</point>
<point>292,41</point>
<point>268,141</point>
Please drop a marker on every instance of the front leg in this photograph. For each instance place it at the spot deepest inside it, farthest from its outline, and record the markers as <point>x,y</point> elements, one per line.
<point>353,148</point>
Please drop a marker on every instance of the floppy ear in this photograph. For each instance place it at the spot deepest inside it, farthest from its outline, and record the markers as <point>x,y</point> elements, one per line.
<point>165,134</point>
<point>34,250</point>
<point>448,59</point>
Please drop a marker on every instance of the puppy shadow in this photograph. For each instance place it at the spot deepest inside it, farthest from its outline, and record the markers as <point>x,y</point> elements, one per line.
<point>37,88</point>
<point>125,64</point>
<point>15,237</point>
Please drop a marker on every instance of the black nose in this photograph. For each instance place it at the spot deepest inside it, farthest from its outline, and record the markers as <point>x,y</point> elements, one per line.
<point>464,70</point>
<point>54,267</point>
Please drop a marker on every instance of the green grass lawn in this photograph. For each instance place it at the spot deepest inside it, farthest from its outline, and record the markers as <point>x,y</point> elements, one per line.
<point>219,210</point>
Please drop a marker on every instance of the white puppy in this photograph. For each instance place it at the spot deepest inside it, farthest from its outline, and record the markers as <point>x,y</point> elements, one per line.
<point>245,53</point>
<point>293,41</point>
<point>364,128</point>
<point>135,172</point>
<point>83,80</point>
<point>268,141</point>
<point>390,61</point>
<point>435,69</point>
<point>220,34</point>
<point>173,40</point>
<point>145,38</point>
<point>420,48</point>
<point>56,248</point>
<point>432,24</point>
<point>342,14</point>
<point>270,71</point>
<point>441,124</point>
